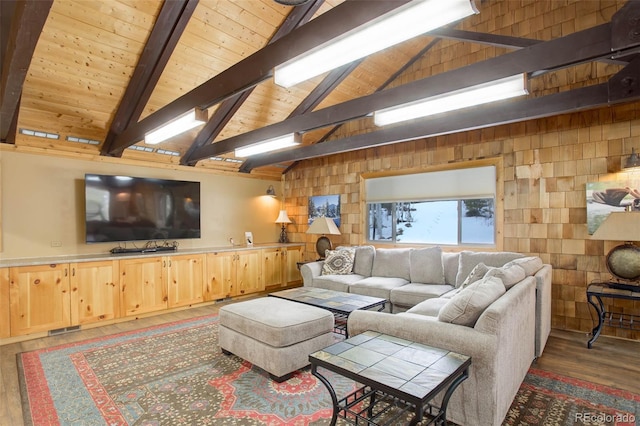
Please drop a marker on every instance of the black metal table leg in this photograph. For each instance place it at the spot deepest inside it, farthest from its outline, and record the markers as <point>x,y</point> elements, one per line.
<point>442,415</point>
<point>332,393</point>
<point>601,312</point>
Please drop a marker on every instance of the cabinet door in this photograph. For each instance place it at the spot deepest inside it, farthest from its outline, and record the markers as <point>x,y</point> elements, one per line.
<point>292,273</point>
<point>39,298</point>
<point>185,279</point>
<point>220,275</point>
<point>272,270</point>
<point>143,287</point>
<point>248,272</point>
<point>94,292</point>
<point>5,327</point>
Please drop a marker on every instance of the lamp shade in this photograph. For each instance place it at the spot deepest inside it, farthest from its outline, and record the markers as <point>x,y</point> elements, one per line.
<point>323,225</point>
<point>282,217</point>
<point>619,226</point>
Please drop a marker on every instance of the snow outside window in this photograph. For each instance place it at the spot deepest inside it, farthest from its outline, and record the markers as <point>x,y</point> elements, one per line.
<point>454,207</point>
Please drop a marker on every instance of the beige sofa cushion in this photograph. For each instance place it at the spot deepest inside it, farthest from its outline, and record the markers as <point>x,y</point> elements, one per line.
<point>426,266</point>
<point>468,260</point>
<point>510,274</point>
<point>450,265</point>
<point>467,305</point>
<point>531,264</point>
<point>392,263</point>
<point>430,307</point>
<point>363,262</point>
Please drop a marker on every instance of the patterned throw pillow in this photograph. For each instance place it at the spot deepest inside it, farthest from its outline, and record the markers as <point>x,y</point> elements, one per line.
<point>338,262</point>
<point>476,274</point>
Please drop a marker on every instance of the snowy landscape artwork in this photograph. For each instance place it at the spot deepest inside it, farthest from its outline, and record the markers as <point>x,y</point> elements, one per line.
<point>325,205</point>
<point>606,197</point>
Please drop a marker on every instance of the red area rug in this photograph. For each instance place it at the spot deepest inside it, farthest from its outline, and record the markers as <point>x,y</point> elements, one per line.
<point>175,374</point>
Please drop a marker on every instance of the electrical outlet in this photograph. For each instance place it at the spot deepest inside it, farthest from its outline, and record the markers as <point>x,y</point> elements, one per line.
<point>56,244</point>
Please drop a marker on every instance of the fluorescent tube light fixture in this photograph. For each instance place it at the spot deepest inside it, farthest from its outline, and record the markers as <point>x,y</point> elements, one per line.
<point>491,91</point>
<point>403,23</point>
<point>194,118</point>
<point>280,142</point>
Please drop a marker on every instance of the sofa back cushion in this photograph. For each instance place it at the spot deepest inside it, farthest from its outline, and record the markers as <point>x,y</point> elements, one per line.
<point>426,266</point>
<point>394,263</point>
<point>363,262</point>
<point>469,303</point>
<point>469,259</point>
<point>450,264</point>
<point>531,264</point>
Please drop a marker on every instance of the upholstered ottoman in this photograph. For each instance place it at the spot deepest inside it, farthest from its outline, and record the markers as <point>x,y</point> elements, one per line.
<point>274,334</point>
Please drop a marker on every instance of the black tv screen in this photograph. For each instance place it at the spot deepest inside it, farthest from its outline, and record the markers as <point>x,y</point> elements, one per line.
<point>126,208</point>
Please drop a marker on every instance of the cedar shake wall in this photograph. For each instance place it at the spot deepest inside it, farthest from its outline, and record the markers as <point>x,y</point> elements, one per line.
<point>546,163</point>
<point>545,174</point>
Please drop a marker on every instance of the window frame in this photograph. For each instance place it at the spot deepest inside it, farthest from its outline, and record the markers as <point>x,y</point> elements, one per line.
<point>496,162</point>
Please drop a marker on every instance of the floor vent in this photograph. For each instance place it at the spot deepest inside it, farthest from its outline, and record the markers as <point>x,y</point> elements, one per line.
<point>64,330</point>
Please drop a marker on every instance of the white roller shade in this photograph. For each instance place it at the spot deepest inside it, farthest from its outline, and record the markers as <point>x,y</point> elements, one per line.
<point>449,184</point>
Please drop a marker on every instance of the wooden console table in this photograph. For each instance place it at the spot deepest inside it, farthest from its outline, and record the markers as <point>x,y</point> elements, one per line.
<point>611,290</point>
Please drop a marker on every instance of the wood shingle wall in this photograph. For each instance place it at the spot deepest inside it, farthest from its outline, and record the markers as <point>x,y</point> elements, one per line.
<point>546,162</point>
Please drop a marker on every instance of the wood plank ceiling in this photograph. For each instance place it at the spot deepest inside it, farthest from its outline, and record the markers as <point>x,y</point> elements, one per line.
<point>102,72</point>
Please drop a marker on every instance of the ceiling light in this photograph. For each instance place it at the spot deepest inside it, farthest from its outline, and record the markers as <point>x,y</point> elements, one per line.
<point>269,145</point>
<point>492,91</point>
<point>403,23</point>
<point>181,124</point>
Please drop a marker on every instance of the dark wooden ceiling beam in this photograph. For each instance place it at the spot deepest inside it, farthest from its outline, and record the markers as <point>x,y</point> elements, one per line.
<point>321,91</point>
<point>258,66</point>
<point>27,22</point>
<point>298,16</point>
<point>165,35</point>
<point>495,40</point>
<point>470,119</point>
<point>579,47</point>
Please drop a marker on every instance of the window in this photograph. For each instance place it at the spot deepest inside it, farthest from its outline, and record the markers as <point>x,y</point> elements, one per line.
<point>454,207</point>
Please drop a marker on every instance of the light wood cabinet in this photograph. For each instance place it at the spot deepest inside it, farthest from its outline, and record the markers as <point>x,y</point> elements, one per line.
<point>39,298</point>
<point>186,279</point>
<point>143,286</point>
<point>5,323</point>
<point>273,272</point>
<point>280,266</point>
<point>293,255</point>
<point>248,273</point>
<point>95,292</point>
<point>220,275</point>
<point>233,274</point>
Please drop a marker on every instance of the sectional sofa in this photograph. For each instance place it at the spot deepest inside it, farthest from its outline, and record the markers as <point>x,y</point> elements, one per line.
<point>493,306</point>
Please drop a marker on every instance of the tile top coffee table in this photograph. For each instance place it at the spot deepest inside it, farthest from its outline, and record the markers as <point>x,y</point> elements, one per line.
<point>398,377</point>
<point>341,304</point>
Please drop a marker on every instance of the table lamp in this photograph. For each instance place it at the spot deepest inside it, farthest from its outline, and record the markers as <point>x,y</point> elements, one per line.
<point>323,226</point>
<point>623,261</point>
<point>283,219</point>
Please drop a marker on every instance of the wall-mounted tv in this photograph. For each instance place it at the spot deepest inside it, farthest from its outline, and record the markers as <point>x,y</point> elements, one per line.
<point>126,208</point>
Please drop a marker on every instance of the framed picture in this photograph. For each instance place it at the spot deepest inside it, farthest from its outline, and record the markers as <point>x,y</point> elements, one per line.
<point>325,205</point>
<point>606,197</point>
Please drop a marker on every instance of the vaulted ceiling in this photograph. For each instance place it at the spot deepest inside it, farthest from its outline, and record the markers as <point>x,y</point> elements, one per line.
<point>88,78</point>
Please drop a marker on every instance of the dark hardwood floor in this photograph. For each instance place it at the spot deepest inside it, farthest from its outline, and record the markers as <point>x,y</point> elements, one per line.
<point>612,362</point>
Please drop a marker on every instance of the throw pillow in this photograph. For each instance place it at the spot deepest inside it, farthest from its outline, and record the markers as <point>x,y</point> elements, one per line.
<point>338,262</point>
<point>477,273</point>
<point>466,307</point>
<point>509,274</point>
<point>469,259</point>
<point>426,266</point>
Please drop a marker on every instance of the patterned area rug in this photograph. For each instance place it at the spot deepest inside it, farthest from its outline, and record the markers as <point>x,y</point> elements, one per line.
<point>174,374</point>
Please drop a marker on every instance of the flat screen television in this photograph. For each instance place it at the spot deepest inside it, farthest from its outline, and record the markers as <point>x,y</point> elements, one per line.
<point>126,208</point>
